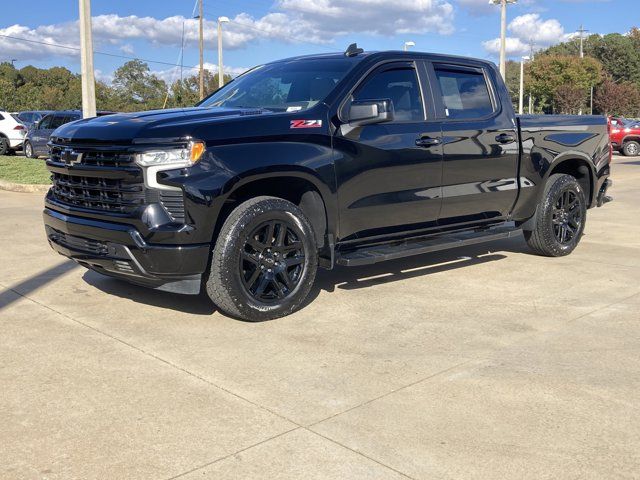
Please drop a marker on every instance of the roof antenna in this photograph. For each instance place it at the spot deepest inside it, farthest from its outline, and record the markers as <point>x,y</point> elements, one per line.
<point>353,50</point>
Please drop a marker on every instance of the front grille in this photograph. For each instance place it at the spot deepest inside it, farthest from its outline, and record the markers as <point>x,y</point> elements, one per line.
<point>106,179</point>
<point>78,243</point>
<point>97,193</point>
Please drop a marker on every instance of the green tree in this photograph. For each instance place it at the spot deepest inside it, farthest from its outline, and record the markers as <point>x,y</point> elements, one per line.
<point>137,88</point>
<point>549,72</point>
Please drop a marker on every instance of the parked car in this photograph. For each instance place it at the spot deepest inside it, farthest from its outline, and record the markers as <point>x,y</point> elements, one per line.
<point>346,159</point>
<point>11,133</point>
<point>30,117</point>
<point>37,138</point>
<point>625,136</point>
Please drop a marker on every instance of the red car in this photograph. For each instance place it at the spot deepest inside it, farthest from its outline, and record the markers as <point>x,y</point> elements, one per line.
<point>625,136</point>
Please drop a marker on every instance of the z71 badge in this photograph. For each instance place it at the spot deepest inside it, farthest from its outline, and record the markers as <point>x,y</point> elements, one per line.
<point>306,123</point>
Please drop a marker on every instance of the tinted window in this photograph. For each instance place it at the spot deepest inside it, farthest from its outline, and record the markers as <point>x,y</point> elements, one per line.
<point>401,86</point>
<point>282,86</point>
<point>58,120</point>
<point>26,116</point>
<point>46,122</point>
<point>464,93</point>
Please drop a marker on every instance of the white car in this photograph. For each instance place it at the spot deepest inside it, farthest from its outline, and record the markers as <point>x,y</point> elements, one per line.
<point>12,133</point>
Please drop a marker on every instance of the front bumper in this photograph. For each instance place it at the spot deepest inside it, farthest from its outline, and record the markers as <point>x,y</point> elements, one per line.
<point>118,250</point>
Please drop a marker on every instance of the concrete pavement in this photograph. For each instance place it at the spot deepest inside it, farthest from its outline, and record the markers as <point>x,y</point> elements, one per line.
<point>483,362</point>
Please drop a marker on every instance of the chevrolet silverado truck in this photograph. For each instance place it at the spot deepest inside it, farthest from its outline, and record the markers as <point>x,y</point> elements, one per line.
<point>338,159</point>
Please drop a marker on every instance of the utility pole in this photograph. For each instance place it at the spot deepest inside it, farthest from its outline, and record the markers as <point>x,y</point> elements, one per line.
<point>581,30</point>
<point>521,99</point>
<point>221,20</point>
<point>86,61</point>
<point>503,34</point>
<point>182,54</point>
<point>200,19</point>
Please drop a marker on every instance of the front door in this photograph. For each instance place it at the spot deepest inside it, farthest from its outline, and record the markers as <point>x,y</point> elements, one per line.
<point>480,148</point>
<point>389,174</point>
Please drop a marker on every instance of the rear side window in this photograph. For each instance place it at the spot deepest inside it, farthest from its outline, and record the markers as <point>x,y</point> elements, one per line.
<point>46,122</point>
<point>26,116</point>
<point>464,93</point>
<point>400,85</point>
<point>1,117</point>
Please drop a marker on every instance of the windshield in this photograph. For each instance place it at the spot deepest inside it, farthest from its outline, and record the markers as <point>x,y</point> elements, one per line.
<point>282,87</point>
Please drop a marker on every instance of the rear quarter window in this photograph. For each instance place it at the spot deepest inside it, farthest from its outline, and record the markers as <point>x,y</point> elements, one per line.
<point>465,94</point>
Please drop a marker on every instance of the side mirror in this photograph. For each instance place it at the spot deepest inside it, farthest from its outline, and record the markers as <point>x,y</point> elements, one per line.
<point>367,112</point>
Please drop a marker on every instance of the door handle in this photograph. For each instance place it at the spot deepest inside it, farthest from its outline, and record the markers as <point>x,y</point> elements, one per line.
<point>505,138</point>
<point>427,142</point>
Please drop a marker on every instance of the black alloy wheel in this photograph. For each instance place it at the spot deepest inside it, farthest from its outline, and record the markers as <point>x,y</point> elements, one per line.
<point>264,260</point>
<point>566,217</point>
<point>272,261</point>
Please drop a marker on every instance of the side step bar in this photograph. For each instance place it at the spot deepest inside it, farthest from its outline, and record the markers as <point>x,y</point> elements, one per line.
<point>391,251</point>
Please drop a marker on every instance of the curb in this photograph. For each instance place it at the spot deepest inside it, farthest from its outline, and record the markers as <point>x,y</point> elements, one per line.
<point>24,188</point>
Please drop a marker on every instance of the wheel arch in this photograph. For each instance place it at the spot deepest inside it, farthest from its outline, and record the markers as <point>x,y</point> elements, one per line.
<point>580,167</point>
<point>300,188</point>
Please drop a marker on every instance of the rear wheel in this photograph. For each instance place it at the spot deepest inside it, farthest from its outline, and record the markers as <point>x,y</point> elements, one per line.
<point>560,217</point>
<point>264,262</point>
<point>631,149</point>
<point>4,146</point>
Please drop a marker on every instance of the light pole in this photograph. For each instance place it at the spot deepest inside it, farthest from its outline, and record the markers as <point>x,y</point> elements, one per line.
<point>406,45</point>
<point>521,104</point>
<point>86,61</point>
<point>221,20</point>
<point>503,33</point>
<point>201,45</point>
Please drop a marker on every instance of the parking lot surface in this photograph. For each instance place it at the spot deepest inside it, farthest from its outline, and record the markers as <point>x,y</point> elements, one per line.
<point>483,362</point>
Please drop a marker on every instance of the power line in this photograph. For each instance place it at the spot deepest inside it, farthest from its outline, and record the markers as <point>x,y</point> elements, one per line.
<point>77,49</point>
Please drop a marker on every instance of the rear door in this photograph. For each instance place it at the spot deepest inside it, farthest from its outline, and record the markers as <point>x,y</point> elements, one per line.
<point>387,182</point>
<point>480,148</point>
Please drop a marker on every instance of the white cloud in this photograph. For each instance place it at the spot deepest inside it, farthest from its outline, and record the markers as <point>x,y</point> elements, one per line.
<point>529,30</point>
<point>315,21</point>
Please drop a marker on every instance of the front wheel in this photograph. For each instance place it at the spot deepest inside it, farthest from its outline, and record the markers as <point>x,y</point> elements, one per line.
<point>631,149</point>
<point>264,261</point>
<point>560,217</point>
<point>28,150</point>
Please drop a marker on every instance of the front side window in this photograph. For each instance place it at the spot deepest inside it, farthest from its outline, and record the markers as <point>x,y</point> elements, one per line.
<point>45,124</point>
<point>58,120</point>
<point>398,84</point>
<point>464,93</point>
<point>283,86</point>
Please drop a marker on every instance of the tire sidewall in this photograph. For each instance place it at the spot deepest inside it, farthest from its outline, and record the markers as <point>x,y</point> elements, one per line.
<point>560,185</point>
<point>4,146</point>
<point>625,149</point>
<point>28,150</point>
<point>226,260</point>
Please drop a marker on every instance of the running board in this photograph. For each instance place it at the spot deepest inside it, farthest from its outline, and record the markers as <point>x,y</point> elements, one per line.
<point>391,251</point>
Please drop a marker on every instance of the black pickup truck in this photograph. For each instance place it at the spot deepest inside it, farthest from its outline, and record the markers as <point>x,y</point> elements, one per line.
<point>348,159</point>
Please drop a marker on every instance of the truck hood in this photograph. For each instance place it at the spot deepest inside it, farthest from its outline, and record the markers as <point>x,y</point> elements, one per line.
<point>149,126</point>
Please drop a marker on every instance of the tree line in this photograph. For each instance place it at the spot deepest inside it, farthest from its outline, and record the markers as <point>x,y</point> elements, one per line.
<point>559,81</point>
<point>134,87</point>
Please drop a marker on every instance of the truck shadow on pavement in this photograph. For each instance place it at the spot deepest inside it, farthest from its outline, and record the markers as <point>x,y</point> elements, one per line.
<point>348,278</point>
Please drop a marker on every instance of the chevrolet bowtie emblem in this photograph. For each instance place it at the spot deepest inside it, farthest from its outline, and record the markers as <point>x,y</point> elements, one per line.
<point>71,157</point>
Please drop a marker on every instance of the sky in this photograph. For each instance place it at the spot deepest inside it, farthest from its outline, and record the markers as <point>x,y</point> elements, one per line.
<point>264,30</point>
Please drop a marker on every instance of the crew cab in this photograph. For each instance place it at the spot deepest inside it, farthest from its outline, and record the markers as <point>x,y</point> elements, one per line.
<point>339,159</point>
<point>625,136</point>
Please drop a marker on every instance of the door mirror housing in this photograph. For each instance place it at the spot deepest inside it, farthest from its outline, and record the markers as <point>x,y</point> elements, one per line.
<point>367,112</point>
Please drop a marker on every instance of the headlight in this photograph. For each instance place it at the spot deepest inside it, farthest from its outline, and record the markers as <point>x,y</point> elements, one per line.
<point>175,157</point>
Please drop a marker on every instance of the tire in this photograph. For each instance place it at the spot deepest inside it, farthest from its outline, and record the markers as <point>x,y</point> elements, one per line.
<point>28,150</point>
<point>248,277</point>
<point>631,148</point>
<point>560,217</point>
<point>4,146</point>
